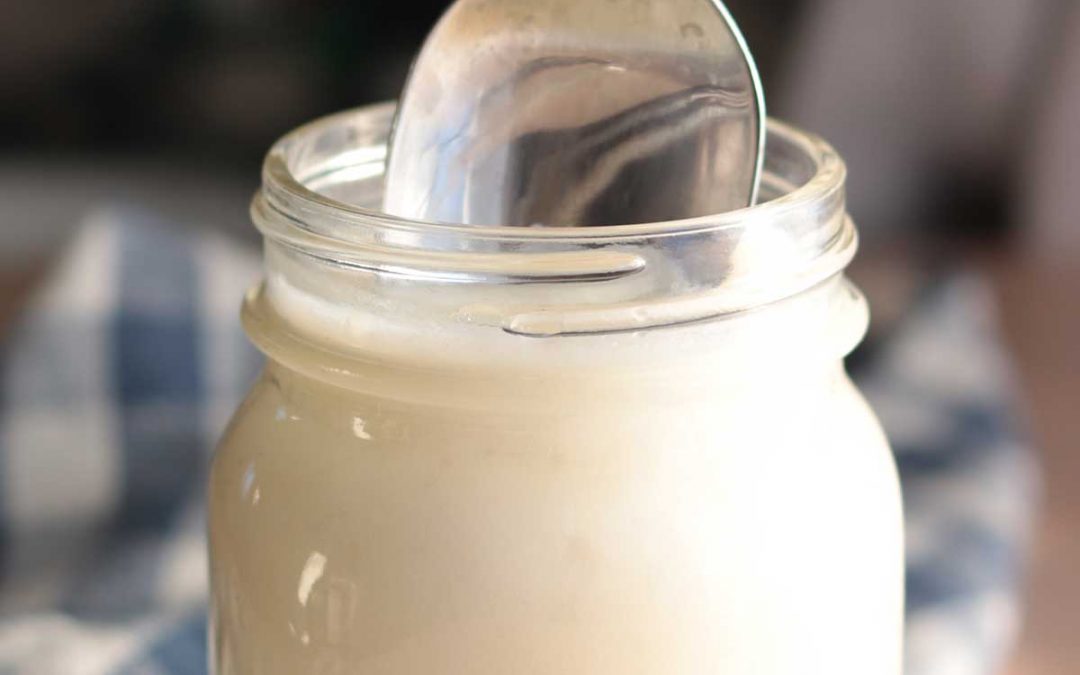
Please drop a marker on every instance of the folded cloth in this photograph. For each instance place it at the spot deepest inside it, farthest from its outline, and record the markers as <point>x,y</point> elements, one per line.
<point>115,383</point>
<point>127,363</point>
<point>943,389</point>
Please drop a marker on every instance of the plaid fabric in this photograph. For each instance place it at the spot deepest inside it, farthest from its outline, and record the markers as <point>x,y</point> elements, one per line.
<point>115,384</point>
<point>942,388</point>
<point>130,359</point>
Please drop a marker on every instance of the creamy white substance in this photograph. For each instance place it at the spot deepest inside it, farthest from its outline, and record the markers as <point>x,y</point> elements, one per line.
<point>399,497</point>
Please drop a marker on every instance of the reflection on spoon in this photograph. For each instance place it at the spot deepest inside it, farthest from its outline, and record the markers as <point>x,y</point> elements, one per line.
<point>578,112</point>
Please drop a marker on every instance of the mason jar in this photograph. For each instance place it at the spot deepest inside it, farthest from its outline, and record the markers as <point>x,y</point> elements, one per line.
<point>629,449</point>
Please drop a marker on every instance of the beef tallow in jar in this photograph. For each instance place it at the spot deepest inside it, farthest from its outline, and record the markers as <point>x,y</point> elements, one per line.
<point>492,450</point>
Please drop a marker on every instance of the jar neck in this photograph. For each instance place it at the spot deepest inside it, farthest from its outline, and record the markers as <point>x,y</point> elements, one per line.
<point>321,201</point>
<point>741,293</point>
<point>348,328</point>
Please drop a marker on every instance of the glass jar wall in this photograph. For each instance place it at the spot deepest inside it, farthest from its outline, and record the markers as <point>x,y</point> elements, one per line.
<point>624,449</point>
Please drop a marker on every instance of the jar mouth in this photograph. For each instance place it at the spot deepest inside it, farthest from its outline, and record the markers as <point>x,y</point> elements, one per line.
<point>322,195</point>
<point>299,164</point>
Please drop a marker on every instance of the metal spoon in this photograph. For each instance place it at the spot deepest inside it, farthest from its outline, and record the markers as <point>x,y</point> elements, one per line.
<point>578,112</point>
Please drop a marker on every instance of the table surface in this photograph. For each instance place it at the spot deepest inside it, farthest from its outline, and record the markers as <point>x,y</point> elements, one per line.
<point>1042,326</point>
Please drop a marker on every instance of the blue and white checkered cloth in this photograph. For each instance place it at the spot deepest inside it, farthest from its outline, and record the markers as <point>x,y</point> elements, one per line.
<point>126,364</point>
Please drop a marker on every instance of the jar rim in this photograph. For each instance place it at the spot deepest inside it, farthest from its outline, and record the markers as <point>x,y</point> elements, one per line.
<point>281,179</point>
<point>322,186</point>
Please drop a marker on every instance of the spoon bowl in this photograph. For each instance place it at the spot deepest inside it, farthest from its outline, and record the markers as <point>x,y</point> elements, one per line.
<point>578,113</point>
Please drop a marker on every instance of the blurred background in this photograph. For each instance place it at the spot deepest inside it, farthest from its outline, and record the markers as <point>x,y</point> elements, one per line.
<point>959,120</point>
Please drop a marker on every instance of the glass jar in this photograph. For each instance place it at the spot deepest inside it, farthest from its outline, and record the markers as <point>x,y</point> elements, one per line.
<point>493,451</point>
